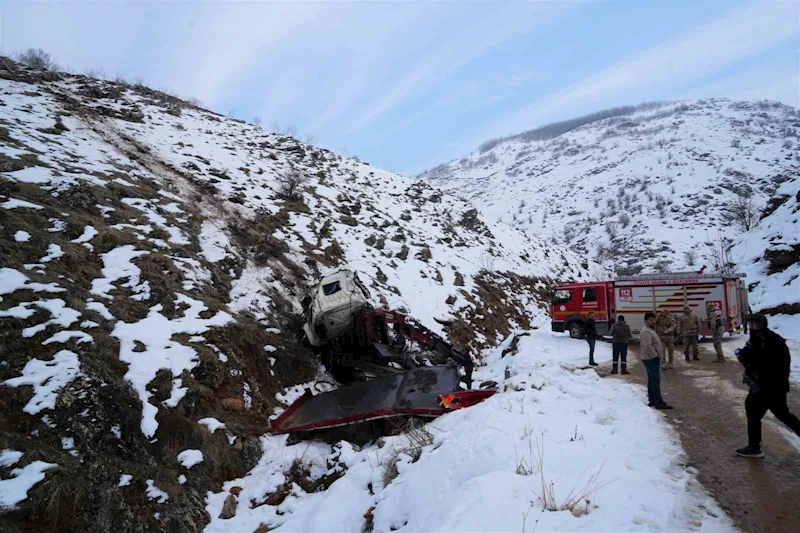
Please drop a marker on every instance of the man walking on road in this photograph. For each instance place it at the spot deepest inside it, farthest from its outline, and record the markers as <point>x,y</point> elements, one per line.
<point>620,337</point>
<point>689,329</point>
<point>766,362</point>
<point>665,327</point>
<point>716,329</point>
<point>651,351</point>
<point>591,337</point>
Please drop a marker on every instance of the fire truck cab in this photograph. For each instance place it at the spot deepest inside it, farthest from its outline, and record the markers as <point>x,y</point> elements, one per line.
<point>633,296</point>
<point>573,302</point>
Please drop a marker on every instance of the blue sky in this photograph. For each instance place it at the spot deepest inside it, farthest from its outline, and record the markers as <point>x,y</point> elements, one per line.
<point>408,85</point>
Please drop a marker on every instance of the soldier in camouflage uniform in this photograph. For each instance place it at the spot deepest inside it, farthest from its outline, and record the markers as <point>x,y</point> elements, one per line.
<point>665,327</point>
<point>689,329</point>
<point>716,329</point>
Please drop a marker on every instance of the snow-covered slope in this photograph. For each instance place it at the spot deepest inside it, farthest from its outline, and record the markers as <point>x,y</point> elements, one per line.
<point>150,266</point>
<point>770,253</point>
<point>640,192</point>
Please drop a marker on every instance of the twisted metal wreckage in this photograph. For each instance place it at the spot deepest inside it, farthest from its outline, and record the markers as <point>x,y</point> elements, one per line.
<point>398,368</point>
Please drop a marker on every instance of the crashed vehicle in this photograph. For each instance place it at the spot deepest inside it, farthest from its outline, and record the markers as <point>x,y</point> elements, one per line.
<point>397,368</point>
<point>351,334</point>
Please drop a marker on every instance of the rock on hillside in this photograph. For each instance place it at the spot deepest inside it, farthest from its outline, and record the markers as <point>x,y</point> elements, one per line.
<point>770,253</point>
<point>642,191</point>
<point>151,259</point>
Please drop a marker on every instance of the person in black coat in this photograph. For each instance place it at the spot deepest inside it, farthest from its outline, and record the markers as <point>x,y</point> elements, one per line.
<point>591,337</point>
<point>766,362</point>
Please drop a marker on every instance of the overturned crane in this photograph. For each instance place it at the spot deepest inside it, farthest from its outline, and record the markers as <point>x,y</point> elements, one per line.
<point>408,369</point>
<point>351,334</point>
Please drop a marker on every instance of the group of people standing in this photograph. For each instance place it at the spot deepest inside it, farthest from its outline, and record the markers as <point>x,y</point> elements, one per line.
<point>765,358</point>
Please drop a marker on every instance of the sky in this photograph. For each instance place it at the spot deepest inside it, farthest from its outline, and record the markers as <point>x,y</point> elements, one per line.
<point>407,85</point>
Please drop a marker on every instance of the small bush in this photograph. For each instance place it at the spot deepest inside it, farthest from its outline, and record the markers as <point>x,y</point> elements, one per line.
<point>289,184</point>
<point>37,59</point>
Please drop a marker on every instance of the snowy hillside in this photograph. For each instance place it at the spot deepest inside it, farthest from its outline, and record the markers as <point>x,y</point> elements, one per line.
<point>770,253</point>
<point>644,191</point>
<point>152,259</point>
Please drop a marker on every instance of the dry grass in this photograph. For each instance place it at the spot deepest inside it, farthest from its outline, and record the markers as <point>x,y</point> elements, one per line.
<point>417,437</point>
<point>577,499</point>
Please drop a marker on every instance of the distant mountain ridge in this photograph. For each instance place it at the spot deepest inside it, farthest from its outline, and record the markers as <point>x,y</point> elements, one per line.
<point>647,189</point>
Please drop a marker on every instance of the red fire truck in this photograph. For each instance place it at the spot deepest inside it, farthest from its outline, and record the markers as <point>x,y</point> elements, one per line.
<point>633,296</point>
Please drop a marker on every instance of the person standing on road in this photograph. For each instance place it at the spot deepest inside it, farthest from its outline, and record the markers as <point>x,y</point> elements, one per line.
<point>689,329</point>
<point>716,329</point>
<point>591,337</point>
<point>620,337</point>
<point>651,351</point>
<point>665,327</point>
<point>767,364</point>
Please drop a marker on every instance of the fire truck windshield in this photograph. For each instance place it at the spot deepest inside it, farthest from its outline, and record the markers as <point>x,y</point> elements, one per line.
<point>562,296</point>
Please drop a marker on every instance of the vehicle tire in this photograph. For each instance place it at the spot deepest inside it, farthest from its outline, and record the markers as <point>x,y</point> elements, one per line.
<point>576,330</point>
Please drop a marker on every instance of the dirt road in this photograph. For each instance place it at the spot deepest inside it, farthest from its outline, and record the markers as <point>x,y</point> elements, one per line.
<point>759,495</point>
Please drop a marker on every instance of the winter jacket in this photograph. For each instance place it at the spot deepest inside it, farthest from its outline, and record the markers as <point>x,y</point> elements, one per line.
<point>591,329</point>
<point>621,333</point>
<point>714,321</point>
<point>767,361</point>
<point>666,326</point>
<point>689,325</point>
<point>650,346</point>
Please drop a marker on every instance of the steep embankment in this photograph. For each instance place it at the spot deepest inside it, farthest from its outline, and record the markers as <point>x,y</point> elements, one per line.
<point>770,253</point>
<point>151,259</point>
<point>650,190</point>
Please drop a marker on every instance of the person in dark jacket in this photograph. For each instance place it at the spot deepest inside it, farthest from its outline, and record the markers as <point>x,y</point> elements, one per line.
<point>620,337</point>
<point>591,337</point>
<point>766,362</point>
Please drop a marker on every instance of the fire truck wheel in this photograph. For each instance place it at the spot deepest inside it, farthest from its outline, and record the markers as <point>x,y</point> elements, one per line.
<point>576,330</point>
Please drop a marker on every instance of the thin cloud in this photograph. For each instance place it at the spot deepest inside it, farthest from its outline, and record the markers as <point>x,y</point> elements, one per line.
<point>726,40</point>
<point>469,44</point>
<point>228,41</point>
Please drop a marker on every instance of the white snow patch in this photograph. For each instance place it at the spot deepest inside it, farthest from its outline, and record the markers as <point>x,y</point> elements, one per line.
<point>65,336</point>
<point>189,458</point>
<point>181,479</point>
<point>214,242</point>
<point>125,480</point>
<point>22,236</point>
<point>89,233</point>
<point>154,493</point>
<point>68,443</point>
<point>101,309</point>
<point>15,489</point>
<point>211,423</point>
<point>117,265</point>
<point>12,280</point>
<point>35,174</point>
<point>124,183</point>
<point>58,225</point>
<point>47,378</point>
<point>155,331</point>
<point>176,236</point>
<point>13,203</point>
<point>62,316</point>
<point>270,349</point>
<point>54,251</point>
<point>9,457</point>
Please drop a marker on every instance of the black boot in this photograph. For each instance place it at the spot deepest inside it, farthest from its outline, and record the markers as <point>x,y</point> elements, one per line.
<point>592,363</point>
<point>614,368</point>
<point>624,369</point>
